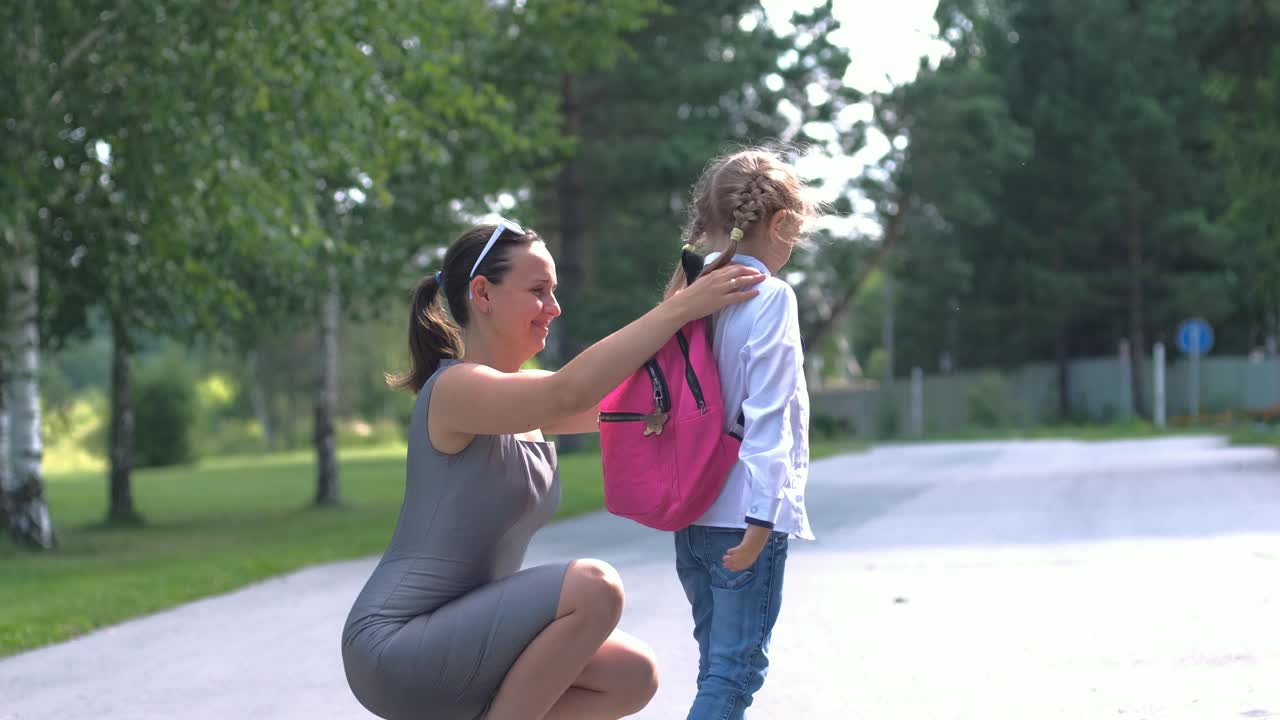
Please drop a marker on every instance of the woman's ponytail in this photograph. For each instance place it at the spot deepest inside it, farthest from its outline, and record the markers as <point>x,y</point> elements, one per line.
<point>432,337</point>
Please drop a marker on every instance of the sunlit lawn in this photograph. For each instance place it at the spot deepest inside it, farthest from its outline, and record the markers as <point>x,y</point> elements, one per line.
<point>210,529</point>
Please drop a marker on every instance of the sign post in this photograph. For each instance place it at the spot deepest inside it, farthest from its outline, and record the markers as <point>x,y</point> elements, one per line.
<point>1195,338</point>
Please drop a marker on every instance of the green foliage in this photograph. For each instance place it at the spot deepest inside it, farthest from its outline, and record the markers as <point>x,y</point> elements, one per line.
<point>189,171</point>
<point>989,402</point>
<point>828,427</point>
<point>197,168</point>
<point>75,433</point>
<point>878,364</point>
<point>695,81</point>
<point>1056,188</point>
<point>165,409</point>
<point>1243,83</point>
<point>889,420</point>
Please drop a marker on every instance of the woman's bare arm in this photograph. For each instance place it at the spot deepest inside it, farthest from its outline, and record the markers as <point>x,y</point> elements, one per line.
<point>474,399</point>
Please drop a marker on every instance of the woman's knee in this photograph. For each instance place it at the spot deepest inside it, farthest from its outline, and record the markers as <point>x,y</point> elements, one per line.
<point>641,678</point>
<point>594,587</point>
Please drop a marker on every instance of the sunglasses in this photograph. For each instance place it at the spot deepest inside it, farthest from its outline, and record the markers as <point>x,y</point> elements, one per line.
<point>503,224</point>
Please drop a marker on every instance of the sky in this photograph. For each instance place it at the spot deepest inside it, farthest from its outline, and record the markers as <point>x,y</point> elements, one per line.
<point>885,41</point>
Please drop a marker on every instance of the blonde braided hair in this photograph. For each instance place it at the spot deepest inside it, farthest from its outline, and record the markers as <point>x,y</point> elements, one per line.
<point>736,195</point>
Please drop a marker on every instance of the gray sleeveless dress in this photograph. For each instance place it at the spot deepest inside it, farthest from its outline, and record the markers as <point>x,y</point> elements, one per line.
<point>447,610</point>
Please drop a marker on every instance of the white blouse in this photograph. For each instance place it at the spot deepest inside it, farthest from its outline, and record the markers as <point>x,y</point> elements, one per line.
<point>761,363</point>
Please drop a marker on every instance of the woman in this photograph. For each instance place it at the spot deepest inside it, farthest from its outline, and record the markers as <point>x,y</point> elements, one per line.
<point>448,627</point>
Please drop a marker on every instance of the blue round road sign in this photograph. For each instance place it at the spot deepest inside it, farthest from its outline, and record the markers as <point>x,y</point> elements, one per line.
<point>1195,337</point>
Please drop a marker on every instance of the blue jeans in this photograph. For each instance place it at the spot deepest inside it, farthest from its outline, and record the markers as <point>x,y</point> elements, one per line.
<point>733,616</point>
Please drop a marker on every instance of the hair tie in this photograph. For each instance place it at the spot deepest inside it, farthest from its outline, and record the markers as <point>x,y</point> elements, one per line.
<point>735,235</point>
<point>439,279</point>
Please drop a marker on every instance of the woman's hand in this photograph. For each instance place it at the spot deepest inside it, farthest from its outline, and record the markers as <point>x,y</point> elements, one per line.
<point>714,291</point>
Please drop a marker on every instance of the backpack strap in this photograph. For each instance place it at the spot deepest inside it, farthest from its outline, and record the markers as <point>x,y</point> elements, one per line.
<point>693,263</point>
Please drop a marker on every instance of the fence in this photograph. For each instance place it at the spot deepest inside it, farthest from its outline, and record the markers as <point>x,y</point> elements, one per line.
<point>1027,397</point>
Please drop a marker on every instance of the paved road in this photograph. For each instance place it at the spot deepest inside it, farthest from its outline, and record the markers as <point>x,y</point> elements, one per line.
<point>993,580</point>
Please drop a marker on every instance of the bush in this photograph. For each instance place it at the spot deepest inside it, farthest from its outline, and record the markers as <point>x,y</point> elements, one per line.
<point>989,402</point>
<point>877,366</point>
<point>829,427</point>
<point>164,408</point>
<point>889,422</point>
<point>229,436</point>
<point>374,432</point>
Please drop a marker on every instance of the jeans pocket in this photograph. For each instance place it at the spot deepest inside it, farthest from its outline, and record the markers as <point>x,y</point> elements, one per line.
<point>725,579</point>
<point>718,542</point>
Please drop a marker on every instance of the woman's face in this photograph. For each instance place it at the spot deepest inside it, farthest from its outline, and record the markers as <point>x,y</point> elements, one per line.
<point>525,304</point>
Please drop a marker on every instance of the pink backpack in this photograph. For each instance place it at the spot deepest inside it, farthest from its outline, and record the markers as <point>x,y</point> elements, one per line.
<point>663,444</point>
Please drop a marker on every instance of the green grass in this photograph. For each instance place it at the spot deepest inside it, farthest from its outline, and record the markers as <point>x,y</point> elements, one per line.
<point>1109,431</point>
<point>1255,434</point>
<point>213,528</point>
<point>209,529</point>
<point>827,447</point>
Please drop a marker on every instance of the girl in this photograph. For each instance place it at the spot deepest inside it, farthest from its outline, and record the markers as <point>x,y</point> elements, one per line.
<point>446,627</point>
<point>751,206</point>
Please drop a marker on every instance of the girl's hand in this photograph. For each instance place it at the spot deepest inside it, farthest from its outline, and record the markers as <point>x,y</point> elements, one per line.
<point>744,555</point>
<point>714,291</point>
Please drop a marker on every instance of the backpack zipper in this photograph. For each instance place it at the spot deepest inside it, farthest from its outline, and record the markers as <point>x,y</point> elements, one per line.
<point>622,417</point>
<point>661,393</point>
<point>661,404</point>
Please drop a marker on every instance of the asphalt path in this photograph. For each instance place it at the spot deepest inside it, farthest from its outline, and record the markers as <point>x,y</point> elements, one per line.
<point>1045,579</point>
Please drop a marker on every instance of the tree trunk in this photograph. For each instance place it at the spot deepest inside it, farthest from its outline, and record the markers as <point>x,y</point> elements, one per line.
<point>22,501</point>
<point>1136,317</point>
<point>573,248</point>
<point>7,478</point>
<point>121,509</point>
<point>326,405</point>
<point>852,371</point>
